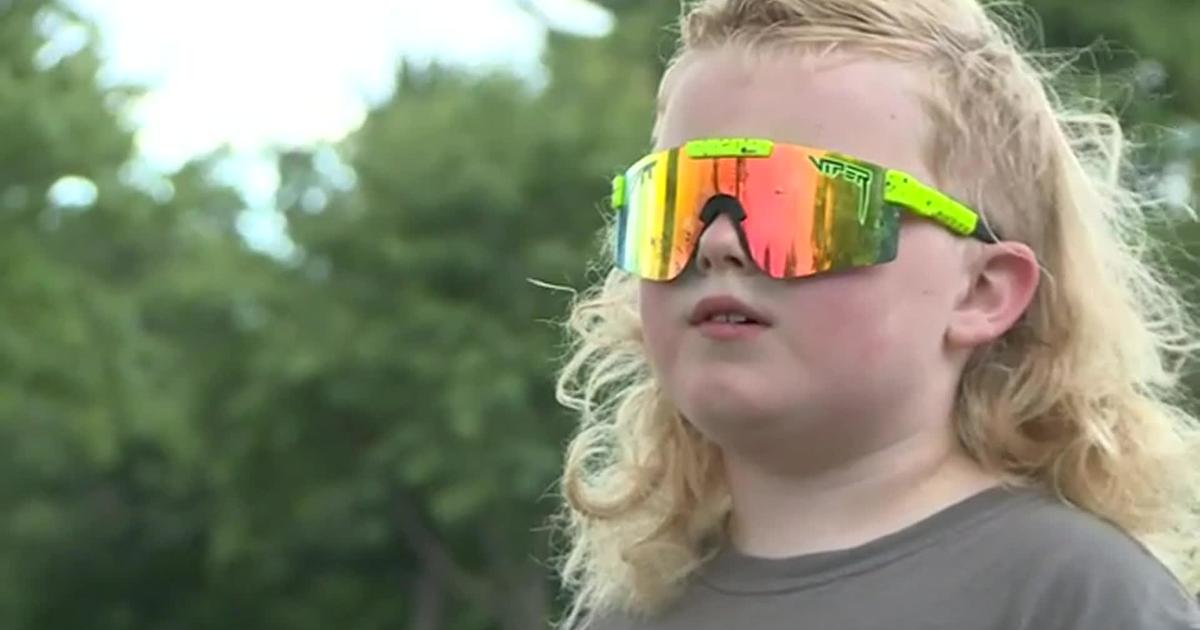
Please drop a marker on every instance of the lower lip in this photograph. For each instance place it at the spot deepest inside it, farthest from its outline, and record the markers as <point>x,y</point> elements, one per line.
<point>725,331</point>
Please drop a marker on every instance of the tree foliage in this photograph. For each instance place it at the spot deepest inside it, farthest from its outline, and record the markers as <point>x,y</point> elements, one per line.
<point>363,435</point>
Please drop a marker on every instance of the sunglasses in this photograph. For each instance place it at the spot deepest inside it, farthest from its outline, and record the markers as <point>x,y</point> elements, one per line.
<point>798,211</point>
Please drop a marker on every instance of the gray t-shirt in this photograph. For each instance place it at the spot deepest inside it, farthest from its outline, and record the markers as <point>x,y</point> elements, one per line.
<point>1000,560</point>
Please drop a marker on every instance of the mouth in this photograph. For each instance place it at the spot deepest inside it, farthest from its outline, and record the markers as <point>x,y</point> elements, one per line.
<point>725,316</point>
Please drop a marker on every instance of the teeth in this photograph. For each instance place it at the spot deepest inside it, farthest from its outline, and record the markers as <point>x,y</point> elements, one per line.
<point>731,318</point>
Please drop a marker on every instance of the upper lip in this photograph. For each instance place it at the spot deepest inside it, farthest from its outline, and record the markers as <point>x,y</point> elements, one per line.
<point>710,307</point>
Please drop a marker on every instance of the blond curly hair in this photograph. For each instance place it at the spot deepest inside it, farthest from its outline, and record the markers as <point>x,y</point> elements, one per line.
<point>1082,396</point>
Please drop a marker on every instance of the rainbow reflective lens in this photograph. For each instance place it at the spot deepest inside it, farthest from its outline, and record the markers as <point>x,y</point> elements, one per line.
<point>799,211</point>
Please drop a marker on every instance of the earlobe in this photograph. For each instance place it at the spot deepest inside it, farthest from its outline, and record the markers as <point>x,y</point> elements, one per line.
<point>1004,282</point>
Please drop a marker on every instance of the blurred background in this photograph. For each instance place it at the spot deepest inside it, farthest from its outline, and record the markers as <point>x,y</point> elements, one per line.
<point>270,356</point>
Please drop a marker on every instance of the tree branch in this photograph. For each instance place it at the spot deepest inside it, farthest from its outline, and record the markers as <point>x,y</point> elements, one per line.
<point>438,561</point>
<point>427,612</point>
<point>531,8</point>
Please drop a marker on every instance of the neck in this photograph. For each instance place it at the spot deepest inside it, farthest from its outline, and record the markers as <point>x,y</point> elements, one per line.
<point>780,513</point>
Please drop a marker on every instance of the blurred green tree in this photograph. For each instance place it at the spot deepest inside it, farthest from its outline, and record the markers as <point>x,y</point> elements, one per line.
<point>103,470</point>
<point>363,434</point>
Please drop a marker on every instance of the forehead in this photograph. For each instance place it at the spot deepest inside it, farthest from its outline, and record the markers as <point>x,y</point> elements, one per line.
<point>863,106</point>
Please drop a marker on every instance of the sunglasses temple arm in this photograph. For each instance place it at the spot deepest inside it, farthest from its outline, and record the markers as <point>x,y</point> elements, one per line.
<point>985,233</point>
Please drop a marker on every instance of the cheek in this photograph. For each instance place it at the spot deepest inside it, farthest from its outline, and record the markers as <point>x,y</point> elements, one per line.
<point>876,319</point>
<point>660,331</point>
<point>850,321</point>
<point>894,315</point>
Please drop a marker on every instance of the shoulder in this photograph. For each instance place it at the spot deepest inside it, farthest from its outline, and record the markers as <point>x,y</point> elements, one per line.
<point>1080,571</point>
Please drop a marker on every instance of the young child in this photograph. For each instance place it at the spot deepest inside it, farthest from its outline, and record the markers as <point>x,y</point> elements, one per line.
<point>880,349</point>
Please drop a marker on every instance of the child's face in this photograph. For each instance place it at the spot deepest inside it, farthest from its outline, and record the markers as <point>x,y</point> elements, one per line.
<point>851,357</point>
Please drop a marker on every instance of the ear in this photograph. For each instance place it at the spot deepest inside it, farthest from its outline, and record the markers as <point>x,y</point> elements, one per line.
<point>1004,278</point>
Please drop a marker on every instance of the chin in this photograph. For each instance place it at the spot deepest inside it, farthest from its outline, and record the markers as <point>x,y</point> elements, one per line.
<point>732,400</point>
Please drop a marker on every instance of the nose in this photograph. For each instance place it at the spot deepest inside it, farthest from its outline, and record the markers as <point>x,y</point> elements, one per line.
<point>720,248</point>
